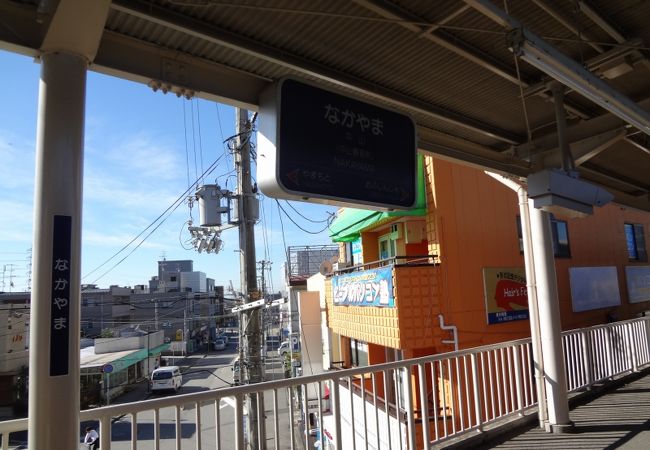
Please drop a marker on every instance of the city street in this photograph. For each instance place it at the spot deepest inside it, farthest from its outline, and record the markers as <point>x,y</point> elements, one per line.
<point>201,372</point>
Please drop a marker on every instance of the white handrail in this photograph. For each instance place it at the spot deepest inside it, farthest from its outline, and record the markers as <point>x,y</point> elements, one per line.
<point>456,392</point>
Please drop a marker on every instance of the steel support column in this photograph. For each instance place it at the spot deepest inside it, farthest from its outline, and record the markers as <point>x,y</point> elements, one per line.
<point>54,371</point>
<point>549,321</point>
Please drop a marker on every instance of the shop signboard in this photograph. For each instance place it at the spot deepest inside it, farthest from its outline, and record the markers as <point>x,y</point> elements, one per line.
<point>506,294</point>
<point>373,287</point>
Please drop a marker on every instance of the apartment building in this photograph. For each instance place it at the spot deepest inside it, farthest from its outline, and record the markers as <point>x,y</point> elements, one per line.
<point>449,274</point>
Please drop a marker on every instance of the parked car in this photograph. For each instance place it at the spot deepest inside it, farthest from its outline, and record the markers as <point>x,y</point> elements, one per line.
<point>285,348</point>
<point>219,344</point>
<point>166,378</point>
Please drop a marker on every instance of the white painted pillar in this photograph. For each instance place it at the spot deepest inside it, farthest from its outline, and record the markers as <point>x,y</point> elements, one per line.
<point>533,309</point>
<point>533,305</point>
<point>549,321</point>
<point>54,323</point>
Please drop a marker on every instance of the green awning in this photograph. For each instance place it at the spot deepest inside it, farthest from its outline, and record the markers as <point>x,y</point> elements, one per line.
<point>349,224</point>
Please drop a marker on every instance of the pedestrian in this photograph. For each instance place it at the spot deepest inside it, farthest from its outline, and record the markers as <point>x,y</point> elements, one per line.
<point>91,439</point>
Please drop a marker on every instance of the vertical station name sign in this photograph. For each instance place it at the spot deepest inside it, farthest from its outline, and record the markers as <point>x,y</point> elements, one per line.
<point>60,296</point>
<point>325,147</point>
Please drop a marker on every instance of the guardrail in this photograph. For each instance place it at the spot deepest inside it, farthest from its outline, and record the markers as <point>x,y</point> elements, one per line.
<point>597,353</point>
<point>396,405</point>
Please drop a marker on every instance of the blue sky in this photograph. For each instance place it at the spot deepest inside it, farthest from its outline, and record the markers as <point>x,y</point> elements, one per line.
<point>137,145</point>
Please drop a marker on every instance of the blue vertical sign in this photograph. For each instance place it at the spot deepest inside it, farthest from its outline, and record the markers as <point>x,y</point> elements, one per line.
<point>60,296</point>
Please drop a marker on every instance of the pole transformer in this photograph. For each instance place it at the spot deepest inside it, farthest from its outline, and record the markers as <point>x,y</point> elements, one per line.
<point>250,337</point>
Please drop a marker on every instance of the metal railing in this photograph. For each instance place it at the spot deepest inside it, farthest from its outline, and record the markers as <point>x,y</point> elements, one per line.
<point>395,261</point>
<point>398,405</point>
<point>597,353</point>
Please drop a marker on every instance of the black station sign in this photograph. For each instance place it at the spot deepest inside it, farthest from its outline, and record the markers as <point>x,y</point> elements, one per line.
<point>326,147</point>
<point>60,296</point>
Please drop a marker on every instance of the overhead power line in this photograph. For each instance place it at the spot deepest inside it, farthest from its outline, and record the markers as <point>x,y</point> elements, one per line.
<point>171,207</point>
<point>301,228</point>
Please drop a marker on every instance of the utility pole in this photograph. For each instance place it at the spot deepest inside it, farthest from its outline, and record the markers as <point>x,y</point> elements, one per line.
<point>155,314</point>
<point>250,322</point>
<point>264,265</point>
<point>11,276</point>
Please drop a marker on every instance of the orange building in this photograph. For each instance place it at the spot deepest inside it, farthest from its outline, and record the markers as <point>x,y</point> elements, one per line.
<point>459,261</point>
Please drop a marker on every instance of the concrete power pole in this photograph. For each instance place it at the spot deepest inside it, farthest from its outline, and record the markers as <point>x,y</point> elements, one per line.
<point>250,322</point>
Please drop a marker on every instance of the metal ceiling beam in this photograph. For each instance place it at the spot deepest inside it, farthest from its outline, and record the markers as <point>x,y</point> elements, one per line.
<point>454,149</point>
<point>638,145</point>
<point>77,27</point>
<point>389,10</point>
<point>535,51</point>
<point>599,20</point>
<point>19,30</point>
<point>567,23</point>
<point>594,64</point>
<point>585,149</point>
<point>447,19</point>
<point>547,144</point>
<point>186,25</point>
<point>132,59</point>
<point>617,178</point>
<point>441,38</point>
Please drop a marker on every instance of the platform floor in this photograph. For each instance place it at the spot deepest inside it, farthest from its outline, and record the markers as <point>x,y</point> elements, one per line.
<point>619,419</point>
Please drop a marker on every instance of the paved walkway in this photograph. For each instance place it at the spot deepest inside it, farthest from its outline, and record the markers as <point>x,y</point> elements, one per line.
<point>619,419</point>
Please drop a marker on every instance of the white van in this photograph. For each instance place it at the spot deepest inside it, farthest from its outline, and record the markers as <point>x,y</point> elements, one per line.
<point>166,378</point>
<point>285,348</point>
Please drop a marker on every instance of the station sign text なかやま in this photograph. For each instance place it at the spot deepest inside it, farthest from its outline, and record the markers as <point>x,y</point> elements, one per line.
<point>325,147</point>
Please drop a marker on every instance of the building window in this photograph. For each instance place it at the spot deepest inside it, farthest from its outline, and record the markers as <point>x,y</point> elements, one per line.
<point>560,233</point>
<point>635,239</point>
<point>387,247</point>
<point>172,278</point>
<point>358,353</point>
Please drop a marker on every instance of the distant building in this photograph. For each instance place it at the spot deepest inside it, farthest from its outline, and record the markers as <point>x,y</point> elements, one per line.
<point>181,315</point>
<point>14,344</point>
<point>193,282</point>
<point>169,274</point>
<point>104,308</point>
<point>210,287</point>
<point>305,261</point>
<point>179,276</point>
<point>132,357</point>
